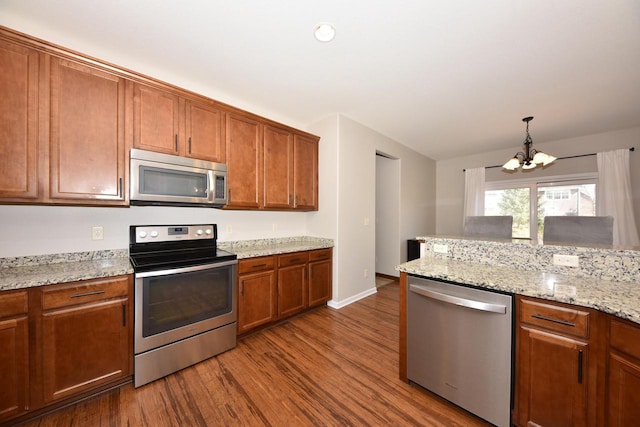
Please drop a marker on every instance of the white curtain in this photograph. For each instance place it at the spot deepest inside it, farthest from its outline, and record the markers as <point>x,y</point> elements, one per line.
<point>473,192</point>
<point>614,195</point>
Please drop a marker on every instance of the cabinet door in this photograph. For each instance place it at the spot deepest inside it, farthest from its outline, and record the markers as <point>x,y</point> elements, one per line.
<point>278,166</point>
<point>85,345</point>
<point>257,300</point>
<point>292,290</point>
<point>204,125</point>
<point>552,380</point>
<point>18,121</point>
<point>305,173</point>
<point>319,282</point>
<point>624,392</point>
<point>14,354</point>
<point>87,148</point>
<point>244,149</point>
<point>156,120</point>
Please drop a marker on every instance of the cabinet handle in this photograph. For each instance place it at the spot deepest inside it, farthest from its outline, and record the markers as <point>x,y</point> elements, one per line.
<point>258,265</point>
<point>229,195</point>
<point>242,290</point>
<point>120,187</point>
<point>551,319</point>
<point>579,366</point>
<point>176,143</point>
<point>87,294</point>
<point>295,201</point>
<point>124,315</point>
<point>189,145</point>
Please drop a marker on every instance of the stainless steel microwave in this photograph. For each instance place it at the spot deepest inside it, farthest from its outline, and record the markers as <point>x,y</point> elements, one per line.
<point>163,179</point>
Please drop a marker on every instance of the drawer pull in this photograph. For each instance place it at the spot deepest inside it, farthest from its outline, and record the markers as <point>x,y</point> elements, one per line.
<point>295,260</point>
<point>579,366</point>
<point>551,319</point>
<point>87,294</point>
<point>259,265</point>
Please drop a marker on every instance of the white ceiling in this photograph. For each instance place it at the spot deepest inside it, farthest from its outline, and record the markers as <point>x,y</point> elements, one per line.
<point>447,77</point>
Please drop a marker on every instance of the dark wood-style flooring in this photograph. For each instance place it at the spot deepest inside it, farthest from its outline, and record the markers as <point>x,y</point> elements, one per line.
<point>324,368</point>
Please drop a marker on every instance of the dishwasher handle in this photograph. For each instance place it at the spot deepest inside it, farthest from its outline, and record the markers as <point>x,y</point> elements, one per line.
<point>463,302</point>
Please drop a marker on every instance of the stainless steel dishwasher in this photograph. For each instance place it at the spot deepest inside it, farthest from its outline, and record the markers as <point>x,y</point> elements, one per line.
<point>459,346</point>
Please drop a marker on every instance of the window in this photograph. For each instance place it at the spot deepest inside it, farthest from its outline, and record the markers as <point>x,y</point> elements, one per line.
<point>529,201</point>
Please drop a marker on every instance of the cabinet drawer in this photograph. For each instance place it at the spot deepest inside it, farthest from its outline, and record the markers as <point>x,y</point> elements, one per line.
<point>293,259</point>
<point>319,255</point>
<point>625,338</point>
<point>82,292</point>
<point>13,303</point>
<point>256,264</point>
<point>555,318</point>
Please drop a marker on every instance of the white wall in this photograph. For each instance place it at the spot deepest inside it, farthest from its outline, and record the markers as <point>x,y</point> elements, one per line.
<point>351,148</point>
<point>38,230</point>
<point>450,175</point>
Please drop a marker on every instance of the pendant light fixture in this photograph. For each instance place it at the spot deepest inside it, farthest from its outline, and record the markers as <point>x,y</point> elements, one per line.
<point>531,157</point>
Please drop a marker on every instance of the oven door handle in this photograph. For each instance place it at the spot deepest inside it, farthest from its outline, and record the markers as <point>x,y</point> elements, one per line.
<point>185,269</point>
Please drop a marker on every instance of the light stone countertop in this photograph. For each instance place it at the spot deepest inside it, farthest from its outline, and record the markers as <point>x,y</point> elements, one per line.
<point>263,247</point>
<point>26,276</point>
<point>619,298</point>
<point>30,271</point>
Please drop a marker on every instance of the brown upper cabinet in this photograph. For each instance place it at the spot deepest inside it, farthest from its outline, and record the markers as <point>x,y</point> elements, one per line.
<point>86,133</point>
<point>270,167</point>
<point>62,129</point>
<point>168,122</point>
<point>19,70</point>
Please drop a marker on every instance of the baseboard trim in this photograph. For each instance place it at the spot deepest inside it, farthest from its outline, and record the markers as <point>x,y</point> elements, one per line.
<point>345,302</point>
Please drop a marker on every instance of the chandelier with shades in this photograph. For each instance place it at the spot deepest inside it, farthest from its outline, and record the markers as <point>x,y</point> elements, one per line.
<point>531,157</point>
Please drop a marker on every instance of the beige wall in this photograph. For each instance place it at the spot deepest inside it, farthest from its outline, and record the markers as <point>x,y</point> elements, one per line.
<point>450,175</point>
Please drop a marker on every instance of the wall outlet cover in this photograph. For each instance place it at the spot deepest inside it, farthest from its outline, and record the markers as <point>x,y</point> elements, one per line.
<point>566,260</point>
<point>440,249</point>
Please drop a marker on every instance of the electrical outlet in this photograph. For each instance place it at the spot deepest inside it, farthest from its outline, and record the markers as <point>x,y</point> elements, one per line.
<point>366,273</point>
<point>440,249</point>
<point>229,229</point>
<point>97,233</point>
<point>566,260</point>
<point>274,227</point>
<point>366,221</point>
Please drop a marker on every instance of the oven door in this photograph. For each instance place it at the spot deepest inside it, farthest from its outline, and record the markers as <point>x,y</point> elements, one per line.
<point>171,305</point>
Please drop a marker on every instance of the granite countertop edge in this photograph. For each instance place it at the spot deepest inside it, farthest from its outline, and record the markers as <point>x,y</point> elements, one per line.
<point>621,299</point>
<point>30,271</point>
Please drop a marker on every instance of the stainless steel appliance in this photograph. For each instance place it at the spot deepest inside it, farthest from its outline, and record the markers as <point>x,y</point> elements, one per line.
<point>163,179</point>
<point>459,346</point>
<point>185,306</point>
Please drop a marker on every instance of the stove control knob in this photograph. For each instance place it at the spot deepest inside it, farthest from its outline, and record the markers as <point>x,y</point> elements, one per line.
<point>199,232</point>
<point>208,231</point>
<point>142,234</point>
<point>154,234</point>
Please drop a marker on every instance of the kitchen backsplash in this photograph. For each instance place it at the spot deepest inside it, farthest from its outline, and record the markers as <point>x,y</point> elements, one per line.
<point>601,263</point>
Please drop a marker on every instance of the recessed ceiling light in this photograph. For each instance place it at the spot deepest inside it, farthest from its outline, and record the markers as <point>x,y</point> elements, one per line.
<point>324,32</point>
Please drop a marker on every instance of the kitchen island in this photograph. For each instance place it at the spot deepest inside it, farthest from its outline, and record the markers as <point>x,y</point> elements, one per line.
<point>577,329</point>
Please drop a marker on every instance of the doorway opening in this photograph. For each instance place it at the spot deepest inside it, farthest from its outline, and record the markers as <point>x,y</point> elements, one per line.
<point>387,200</point>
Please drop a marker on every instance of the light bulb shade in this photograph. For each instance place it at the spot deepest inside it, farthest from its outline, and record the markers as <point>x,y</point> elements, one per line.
<point>539,158</point>
<point>528,165</point>
<point>548,159</point>
<point>512,164</point>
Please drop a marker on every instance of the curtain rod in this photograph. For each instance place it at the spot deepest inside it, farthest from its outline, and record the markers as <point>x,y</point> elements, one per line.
<point>559,158</point>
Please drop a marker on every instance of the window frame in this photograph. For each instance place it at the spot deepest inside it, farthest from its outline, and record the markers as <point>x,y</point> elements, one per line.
<point>546,181</point>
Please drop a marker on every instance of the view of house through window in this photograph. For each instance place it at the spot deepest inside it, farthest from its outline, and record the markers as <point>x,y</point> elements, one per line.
<point>530,201</point>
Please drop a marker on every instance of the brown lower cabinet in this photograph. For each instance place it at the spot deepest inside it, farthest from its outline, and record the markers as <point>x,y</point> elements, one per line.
<point>274,287</point>
<point>62,343</point>
<point>623,397</point>
<point>14,354</point>
<point>559,364</point>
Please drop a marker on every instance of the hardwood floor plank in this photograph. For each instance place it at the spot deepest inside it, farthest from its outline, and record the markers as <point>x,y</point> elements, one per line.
<point>324,368</point>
